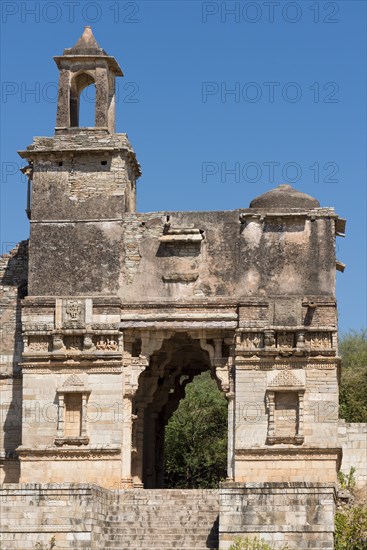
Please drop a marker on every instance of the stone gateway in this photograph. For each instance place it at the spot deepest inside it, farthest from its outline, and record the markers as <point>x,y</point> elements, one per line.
<point>107,314</point>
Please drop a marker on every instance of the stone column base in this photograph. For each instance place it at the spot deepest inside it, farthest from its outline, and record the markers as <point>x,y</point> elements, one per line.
<point>297,515</point>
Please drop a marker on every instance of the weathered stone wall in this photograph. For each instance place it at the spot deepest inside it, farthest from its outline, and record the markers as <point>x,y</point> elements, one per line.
<point>82,183</point>
<point>13,286</point>
<point>353,439</point>
<point>73,514</point>
<point>75,258</point>
<point>297,515</point>
<point>166,258</point>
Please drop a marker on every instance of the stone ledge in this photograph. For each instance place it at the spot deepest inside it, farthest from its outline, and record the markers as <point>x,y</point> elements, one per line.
<point>252,485</point>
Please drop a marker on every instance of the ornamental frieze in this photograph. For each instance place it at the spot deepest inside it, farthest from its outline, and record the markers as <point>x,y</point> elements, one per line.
<point>284,342</point>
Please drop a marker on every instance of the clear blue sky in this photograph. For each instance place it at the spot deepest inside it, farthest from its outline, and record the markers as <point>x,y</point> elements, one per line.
<point>297,113</point>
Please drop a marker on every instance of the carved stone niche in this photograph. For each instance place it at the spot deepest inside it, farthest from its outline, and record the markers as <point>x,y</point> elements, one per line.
<point>72,413</point>
<point>284,401</point>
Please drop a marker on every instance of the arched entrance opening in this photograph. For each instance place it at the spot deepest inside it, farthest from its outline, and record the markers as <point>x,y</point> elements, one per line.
<point>196,437</point>
<point>161,387</point>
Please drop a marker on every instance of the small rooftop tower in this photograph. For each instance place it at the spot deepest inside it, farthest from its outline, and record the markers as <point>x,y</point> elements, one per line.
<point>84,64</point>
<point>83,183</point>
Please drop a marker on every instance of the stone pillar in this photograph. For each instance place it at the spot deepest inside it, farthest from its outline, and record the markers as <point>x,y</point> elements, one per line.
<point>126,476</point>
<point>84,415</point>
<point>101,114</point>
<point>231,435</point>
<point>111,103</point>
<point>63,101</point>
<point>138,477</point>
<point>60,417</point>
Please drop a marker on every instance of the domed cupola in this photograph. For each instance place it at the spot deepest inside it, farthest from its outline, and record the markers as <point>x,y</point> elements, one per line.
<point>284,197</point>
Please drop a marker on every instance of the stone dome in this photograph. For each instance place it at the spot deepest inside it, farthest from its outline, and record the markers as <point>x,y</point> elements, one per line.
<point>283,197</point>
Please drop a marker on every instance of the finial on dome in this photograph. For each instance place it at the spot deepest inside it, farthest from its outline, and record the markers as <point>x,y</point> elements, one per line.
<point>86,44</point>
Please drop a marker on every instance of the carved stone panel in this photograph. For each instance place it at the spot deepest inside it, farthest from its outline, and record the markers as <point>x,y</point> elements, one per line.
<point>320,340</point>
<point>73,313</point>
<point>286,378</point>
<point>106,343</point>
<point>285,340</point>
<point>251,340</point>
<point>73,343</point>
<point>38,343</point>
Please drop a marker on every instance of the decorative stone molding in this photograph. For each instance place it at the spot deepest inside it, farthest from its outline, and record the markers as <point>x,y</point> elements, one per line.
<point>105,327</point>
<point>74,367</point>
<point>180,277</point>
<point>290,452</point>
<point>274,363</point>
<point>29,327</point>
<point>107,452</point>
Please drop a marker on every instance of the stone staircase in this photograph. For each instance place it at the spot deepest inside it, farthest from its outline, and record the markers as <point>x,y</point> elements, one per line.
<point>162,518</point>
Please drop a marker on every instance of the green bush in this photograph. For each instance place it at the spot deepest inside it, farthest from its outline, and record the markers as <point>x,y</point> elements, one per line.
<point>353,386</point>
<point>347,481</point>
<point>351,528</point>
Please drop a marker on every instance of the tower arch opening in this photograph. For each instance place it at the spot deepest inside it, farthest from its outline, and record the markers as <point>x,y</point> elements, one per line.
<point>83,100</point>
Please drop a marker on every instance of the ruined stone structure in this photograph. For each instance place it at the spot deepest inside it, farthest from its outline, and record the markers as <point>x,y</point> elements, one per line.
<point>108,314</point>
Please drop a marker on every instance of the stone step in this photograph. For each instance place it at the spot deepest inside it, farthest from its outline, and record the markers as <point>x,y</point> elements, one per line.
<point>167,519</point>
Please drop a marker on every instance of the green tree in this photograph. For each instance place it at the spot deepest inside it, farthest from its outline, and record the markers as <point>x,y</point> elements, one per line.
<point>353,386</point>
<point>196,437</point>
